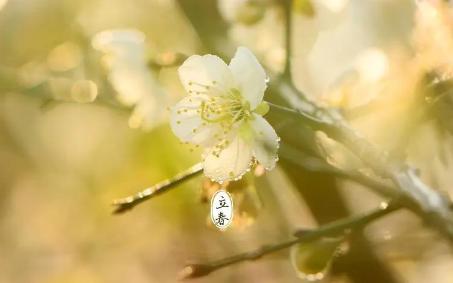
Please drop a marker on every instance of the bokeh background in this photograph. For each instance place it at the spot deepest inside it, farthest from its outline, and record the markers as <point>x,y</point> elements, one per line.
<point>65,157</point>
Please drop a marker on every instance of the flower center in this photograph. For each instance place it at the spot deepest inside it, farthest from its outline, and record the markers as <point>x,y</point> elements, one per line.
<point>228,107</point>
<point>225,107</point>
<point>221,105</point>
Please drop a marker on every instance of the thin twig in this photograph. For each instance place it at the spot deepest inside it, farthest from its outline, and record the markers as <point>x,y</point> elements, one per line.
<point>334,228</point>
<point>287,6</point>
<point>127,203</point>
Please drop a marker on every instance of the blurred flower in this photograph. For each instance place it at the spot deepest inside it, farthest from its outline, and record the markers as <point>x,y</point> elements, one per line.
<point>264,38</point>
<point>243,11</point>
<point>432,34</point>
<point>128,73</point>
<point>223,113</point>
<point>364,81</point>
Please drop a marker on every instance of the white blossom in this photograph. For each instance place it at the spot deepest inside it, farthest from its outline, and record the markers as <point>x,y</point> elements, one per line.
<point>223,114</point>
<point>135,85</point>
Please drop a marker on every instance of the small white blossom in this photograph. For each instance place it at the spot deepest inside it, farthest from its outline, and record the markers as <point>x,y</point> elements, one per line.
<point>223,114</point>
<point>129,75</point>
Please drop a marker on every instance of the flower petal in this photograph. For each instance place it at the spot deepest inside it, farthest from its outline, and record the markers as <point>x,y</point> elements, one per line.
<point>232,162</point>
<point>187,125</point>
<point>266,143</point>
<point>197,72</point>
<point>249,76</point>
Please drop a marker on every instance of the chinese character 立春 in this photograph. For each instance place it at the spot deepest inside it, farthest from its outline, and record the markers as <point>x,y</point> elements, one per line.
<point>222,203</point>
<point>220,220</point>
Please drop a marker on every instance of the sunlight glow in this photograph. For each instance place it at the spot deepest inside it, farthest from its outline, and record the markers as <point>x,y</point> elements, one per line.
<point>372,64</point>
<point>335,6</point>
<point>3,3</point>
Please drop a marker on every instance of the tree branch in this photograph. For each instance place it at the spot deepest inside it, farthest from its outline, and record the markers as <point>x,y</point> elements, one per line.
<point>287,7</point>
<point>127,203</point>
<point>315,164</point>
<point>430,204</point>
<point>337,227</point>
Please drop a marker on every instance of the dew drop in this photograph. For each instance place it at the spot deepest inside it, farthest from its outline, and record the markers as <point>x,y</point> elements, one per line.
<point>314,277</point>
<point>383,205</point>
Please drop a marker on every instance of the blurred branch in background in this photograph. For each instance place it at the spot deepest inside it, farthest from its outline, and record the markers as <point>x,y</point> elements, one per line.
<point>430,204</point>
<point>287,7</point>
<point>332,229</point>
<point>316,164</point>
<point>208,25</point>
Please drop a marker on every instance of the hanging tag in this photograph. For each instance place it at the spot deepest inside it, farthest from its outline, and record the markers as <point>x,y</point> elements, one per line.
<point>222,209</point>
